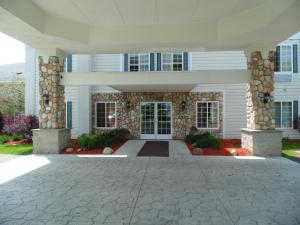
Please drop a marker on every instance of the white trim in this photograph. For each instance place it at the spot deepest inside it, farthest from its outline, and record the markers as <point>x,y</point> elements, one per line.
<point>116,118</point>
<point>218,120</point>
<point>155,135</point>
<point>292,124</point>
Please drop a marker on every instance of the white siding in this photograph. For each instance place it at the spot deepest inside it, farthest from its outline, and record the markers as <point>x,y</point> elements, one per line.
<point>218,60</point>
<point>106,62</point>
<point>234,114</point>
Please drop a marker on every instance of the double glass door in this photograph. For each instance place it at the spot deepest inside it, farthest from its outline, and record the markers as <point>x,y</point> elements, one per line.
<point>156,120</point>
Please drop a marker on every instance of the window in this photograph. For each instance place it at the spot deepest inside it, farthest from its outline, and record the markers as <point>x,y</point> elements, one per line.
<point>285,60</point>
<point>207,115</point>
<point>138,62</point>
<point>283,114</point>
<point>105,114</point>
<point>172,61</point>
<point>69,115</point>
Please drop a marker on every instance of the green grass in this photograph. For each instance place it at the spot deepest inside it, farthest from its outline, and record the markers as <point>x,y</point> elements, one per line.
<point>16,149</point>
<point>288,149</point>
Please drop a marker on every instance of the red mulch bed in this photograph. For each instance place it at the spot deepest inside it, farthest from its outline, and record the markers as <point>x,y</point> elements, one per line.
<point>21,142</point>
<point>226,145</point>
<point>75,146</point>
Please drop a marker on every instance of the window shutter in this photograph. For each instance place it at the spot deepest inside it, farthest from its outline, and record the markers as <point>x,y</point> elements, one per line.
<point>69,63</point>
<point>277,59</point>
<point>295,58</point>
<point>126,62</point>
<point>69,115</point>
<point>151,61</point>
<point>158,57</point>
<point>295,115</point>
<point>185,61</point>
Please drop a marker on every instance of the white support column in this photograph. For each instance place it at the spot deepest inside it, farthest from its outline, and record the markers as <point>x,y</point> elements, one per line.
<point>30,76</point>
<point>84,97</point>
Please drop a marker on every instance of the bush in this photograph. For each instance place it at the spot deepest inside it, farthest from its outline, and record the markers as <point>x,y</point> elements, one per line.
<point>21,124</point>
<point>205,140</point>
<point>121,134</point>
<point>17,137</point>
<point>107,139</point>
<point>1,122</point>
<point>4,139</point>
<point>87,142</point>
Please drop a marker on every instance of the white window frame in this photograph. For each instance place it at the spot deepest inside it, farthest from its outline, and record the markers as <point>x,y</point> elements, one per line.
<point>139,60</point>
<point>281,54</point>
<point>218,119</point>
<point>292,124</point>
<point>172,61</point>
<point>96,118</point>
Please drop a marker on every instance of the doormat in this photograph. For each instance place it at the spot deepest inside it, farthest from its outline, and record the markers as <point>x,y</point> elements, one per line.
<point>155,148</point>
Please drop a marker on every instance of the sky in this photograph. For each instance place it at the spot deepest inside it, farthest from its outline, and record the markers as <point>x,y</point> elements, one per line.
<point>11,50</point>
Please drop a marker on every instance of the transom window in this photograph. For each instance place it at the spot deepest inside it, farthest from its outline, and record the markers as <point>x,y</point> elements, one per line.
<point>105,114</point>
<point>286,64</point>
<point>207,115</point>
<point>284,114</point>
<point>172,61</point>
<point>139,62</point>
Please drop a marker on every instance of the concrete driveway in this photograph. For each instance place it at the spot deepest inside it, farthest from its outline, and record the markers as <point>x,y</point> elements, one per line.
<point>124,189</point>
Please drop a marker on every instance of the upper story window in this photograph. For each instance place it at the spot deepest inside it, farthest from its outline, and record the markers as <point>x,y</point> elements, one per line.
<point>286,58</point>
<point>138,62</point>
<point>172,61</point>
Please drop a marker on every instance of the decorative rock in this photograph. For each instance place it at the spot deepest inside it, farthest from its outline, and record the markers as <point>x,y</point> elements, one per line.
<point>69,150</point>
<point>107,151</point>
<point>198,151</point>
<point>79,150</point>
<point>233,152</point>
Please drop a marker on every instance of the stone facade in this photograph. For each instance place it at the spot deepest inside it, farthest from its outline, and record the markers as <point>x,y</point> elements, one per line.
<point>183,120</point>
<point>51,115</point>
<point>260,114</point>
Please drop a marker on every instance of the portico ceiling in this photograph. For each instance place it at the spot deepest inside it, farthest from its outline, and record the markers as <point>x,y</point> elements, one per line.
<point>109,26</point>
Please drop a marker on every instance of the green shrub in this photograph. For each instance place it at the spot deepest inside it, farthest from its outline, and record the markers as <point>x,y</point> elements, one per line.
<point>4,139</point>
<point>121,134</point>
<point>17,137</point>
<point>205,140</point>
<point>1,122</point>
<point>107,139</point>
<point>87,142</point>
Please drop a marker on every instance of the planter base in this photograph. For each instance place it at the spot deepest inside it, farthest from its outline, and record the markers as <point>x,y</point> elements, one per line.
<point>262,142</point>
<point>50,141</point>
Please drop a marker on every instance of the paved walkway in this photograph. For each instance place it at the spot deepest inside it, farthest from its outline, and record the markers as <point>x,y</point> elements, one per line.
<point>124,189</point>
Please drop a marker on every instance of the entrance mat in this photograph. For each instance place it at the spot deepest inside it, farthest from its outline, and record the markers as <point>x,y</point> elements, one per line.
<point>155,148</point>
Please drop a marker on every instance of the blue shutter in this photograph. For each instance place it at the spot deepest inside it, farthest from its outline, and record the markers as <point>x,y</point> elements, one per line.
<point>185,61</point>
<point>295,58</point>
<point>295,115</point>
<point>277,59</point>
<point>151,61</point>
<point>69,63</point>
<point>158,63</point>
<point>126,62</point>
<point>69,115</point>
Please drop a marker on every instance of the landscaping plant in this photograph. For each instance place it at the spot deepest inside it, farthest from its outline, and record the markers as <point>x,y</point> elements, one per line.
<point>1,122</point>
<point>4,139</point>
<point>204,140</point>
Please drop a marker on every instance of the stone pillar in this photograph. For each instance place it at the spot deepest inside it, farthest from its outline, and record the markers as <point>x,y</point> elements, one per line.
<point>260,136</point>
<point>52,136</point>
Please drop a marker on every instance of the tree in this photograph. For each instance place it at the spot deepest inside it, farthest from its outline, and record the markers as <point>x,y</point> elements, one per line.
<point>12,96</point>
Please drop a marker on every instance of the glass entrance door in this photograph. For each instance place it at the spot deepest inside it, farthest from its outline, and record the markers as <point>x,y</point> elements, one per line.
<point>156,120</point>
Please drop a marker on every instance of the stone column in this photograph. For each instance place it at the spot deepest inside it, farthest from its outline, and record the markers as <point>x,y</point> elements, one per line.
<point>52,136</point>
<point>260,136</point>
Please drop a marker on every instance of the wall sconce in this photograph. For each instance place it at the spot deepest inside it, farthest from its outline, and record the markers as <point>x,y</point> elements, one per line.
<point>183,105</point>
<point>46,99</point>
<point>265,97</point>
<point>128,104</point>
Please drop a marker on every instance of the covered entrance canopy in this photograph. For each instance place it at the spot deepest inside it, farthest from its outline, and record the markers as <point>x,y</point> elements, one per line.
<point>105,26</point>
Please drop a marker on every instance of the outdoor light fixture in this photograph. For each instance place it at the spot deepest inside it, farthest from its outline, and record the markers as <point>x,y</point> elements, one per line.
<point>183,105</point>
<point>128,104</point>
<point>46,99</point>
<point>265,97</point>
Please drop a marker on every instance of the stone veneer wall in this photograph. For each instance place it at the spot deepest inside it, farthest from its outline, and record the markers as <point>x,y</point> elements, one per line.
<point>261,116</point>
<point>182,120</point>
<point>52,115</point>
